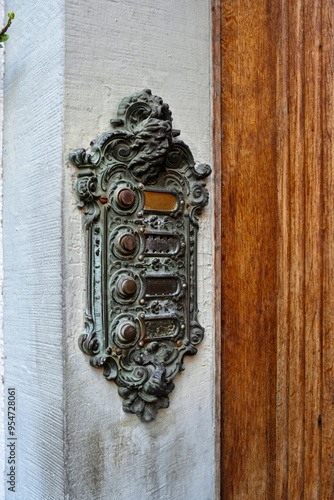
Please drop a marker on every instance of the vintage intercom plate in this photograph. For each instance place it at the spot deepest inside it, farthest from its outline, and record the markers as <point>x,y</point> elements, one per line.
<point>141,192</point>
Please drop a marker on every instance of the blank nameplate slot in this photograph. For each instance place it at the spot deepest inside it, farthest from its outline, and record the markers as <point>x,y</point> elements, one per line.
<point>159,202</point>
<point>161,328</point>
<point>161,244</point>
<point>159,286</point>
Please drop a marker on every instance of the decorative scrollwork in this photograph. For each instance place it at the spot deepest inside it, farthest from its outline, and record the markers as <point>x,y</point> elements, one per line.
<point>120,150</point>
<point>86,189</point>
<point>139,106</point>
<point>202,170</point>
<point>88,341</point>
<point>82,159</point>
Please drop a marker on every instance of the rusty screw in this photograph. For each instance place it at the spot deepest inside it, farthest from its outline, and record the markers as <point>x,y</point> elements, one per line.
<point>103,199</point>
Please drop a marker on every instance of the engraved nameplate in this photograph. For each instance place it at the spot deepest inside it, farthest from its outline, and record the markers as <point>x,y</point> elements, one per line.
<point>161,244</point>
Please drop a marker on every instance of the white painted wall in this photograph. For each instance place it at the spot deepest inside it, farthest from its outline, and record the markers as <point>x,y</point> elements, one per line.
<point>2,374</point>
<point>65,76</point>
<point>32,211</point>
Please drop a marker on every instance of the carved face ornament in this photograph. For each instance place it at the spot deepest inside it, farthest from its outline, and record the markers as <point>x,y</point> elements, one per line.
<point>153,140</point>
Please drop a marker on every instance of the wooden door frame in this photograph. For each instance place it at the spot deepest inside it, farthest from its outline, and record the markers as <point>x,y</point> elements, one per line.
<point>216,103</point>
<point>273,143</point>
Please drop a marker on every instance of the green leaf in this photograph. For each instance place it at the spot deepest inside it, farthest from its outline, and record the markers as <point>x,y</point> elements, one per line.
<point>4,38</point>
<point>11,15</point>
<point>1,46</point>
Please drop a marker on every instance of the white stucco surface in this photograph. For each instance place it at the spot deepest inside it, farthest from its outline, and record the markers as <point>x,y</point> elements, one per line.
<point>65,76</point>
<point>32,207</point>
<point>2,374</point>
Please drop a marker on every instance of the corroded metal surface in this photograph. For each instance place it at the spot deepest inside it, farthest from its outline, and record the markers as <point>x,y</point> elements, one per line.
<point>142,194</point>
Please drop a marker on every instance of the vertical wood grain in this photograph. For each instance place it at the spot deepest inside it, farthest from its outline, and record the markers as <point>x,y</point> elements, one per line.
<point>216,103</point>
<point>277,249</point>
<point>327,352</point>
<point>313,245</point>
<point>295,235</point>
<point>249,274</point>
<point>283,296</point>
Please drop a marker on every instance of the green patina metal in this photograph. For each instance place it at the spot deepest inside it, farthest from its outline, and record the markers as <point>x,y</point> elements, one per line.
<point>142,193</point>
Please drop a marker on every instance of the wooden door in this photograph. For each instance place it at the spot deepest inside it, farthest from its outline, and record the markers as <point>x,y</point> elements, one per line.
<point>273,98</point>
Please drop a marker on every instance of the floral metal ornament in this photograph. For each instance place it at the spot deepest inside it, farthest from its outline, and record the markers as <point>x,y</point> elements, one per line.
<point>142,193</point>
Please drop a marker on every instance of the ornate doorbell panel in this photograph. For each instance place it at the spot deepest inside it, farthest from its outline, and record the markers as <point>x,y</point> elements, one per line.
<point>141,193</point>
